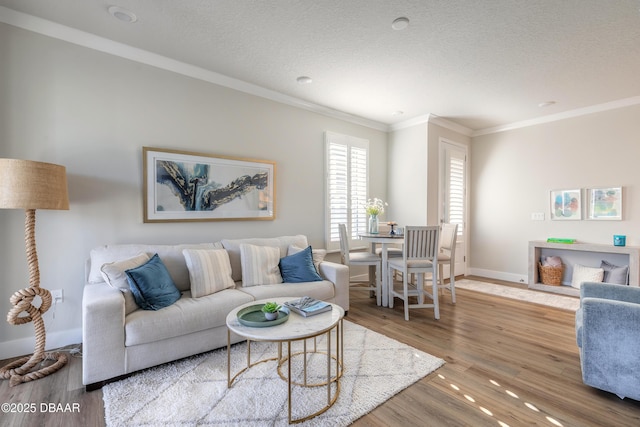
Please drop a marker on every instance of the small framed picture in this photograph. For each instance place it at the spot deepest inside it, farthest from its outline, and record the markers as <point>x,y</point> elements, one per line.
<point>604,203</point>
<point>566,204</point>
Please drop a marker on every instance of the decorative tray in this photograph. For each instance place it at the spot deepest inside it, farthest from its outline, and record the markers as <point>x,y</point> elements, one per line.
<point>254,317</point>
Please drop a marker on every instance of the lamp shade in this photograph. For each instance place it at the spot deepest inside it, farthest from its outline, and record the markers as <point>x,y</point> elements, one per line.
<point>26,184</point>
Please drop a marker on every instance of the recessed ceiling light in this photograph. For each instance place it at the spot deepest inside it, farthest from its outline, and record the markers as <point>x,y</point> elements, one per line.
<point>304,80</point>
<point>123,15</point>
<point>546,104</point>
<point>400,23</point>
<point>397,113</point>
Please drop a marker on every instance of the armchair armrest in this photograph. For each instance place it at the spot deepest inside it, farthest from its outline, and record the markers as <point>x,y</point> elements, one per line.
<point>102,333</point>
<point>610,291</point>
<point>339,275</point>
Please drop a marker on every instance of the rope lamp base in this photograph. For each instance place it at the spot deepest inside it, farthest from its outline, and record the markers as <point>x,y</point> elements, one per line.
<point>7,371</point>
<point>23,311</point>
<point>21,370</point>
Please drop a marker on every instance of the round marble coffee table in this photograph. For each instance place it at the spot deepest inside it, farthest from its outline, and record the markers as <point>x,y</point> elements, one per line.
<point>296,328</point>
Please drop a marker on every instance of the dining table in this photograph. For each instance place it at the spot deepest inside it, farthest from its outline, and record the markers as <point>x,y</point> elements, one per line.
<point>384,240</point>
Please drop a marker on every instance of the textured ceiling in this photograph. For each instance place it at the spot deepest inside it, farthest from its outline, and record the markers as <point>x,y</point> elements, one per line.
<point>478,63</point>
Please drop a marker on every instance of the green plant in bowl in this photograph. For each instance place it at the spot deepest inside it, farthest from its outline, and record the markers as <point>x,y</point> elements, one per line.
<point>270,310</point>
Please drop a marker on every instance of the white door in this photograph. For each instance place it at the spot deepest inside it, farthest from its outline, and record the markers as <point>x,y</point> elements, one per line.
<point>453,197</point>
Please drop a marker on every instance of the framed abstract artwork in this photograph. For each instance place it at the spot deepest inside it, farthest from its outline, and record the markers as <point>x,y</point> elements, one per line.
<point>604,203</point>
<point>187,186</point>
<point>566,204</point>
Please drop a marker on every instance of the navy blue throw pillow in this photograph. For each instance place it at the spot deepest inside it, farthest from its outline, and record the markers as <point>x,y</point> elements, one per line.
<point>151,285</point>
<point>299,267</point>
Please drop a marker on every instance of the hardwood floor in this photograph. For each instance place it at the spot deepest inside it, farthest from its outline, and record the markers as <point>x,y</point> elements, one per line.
<point>509,363</point>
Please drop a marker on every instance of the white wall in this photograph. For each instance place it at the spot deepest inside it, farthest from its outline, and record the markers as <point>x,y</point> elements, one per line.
<point>513,172</point>
<point>93,113</point>
<point>414,172</point>
<point>407,186</point>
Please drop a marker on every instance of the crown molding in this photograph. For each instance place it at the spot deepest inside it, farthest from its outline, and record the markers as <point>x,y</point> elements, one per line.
<point>620,103</point>
<point>445,123</point>
<point>436,120</point>
<point>92,41</point>
<point>409,123</point>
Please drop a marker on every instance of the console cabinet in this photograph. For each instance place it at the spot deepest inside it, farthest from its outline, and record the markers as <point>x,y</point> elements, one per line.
<point>587,254</point>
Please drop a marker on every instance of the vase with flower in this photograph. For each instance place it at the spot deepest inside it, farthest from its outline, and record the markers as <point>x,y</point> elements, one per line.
<point>373,208</point>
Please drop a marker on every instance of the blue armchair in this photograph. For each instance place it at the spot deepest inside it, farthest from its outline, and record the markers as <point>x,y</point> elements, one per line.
<point>608,335</point>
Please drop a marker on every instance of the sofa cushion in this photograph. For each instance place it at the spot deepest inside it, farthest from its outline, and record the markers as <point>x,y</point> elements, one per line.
<point>185,316</point>
<point>585,274</point>
<point>171,256</point>
<point>233,247</point>
<point>299,267</point>
<point>260,265</point>
<point>114,274</point>
<point>209,271</point>
<point>614,273</point>
<point>152,286</point>
<point>318,254</point>
<point>323,290</point>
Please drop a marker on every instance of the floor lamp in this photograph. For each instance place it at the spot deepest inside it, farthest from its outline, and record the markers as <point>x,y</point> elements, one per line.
<point>30,185</point>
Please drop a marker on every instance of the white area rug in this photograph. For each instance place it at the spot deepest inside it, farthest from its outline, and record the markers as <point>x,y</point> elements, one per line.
<point>193,391</point>
<point>538,297</point>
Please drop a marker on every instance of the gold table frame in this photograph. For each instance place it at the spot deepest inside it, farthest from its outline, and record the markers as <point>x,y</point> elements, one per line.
<point>283,359</point>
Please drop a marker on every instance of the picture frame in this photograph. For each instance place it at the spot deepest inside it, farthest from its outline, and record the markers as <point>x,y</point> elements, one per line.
<point>604,203</point>
<point>566,205</point>
<point>187,186</point>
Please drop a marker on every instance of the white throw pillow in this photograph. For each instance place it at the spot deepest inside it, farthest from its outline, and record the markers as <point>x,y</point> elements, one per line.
<point>260,265</point>
<point>585,274</point>
<point>317,254</point>
<point>209,271</point>
<point>114,274</point>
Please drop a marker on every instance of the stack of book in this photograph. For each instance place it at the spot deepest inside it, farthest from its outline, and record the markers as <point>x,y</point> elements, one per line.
<point>307,306</point>
<point>560,240</point>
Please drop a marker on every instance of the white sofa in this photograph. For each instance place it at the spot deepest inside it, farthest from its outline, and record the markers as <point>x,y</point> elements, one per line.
<point>119,341</point>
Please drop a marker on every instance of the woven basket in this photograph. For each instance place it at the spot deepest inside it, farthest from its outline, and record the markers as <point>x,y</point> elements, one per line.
<point>551,275</point>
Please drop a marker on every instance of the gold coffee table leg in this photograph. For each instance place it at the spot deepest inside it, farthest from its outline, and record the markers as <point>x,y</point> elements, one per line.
<point>338,357</point>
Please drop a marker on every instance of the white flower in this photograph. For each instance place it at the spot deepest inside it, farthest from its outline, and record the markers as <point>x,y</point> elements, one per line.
<point>375,206</point>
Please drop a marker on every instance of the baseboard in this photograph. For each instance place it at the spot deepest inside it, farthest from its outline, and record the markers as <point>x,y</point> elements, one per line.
<point>25,346</point>
<point>498,275</point>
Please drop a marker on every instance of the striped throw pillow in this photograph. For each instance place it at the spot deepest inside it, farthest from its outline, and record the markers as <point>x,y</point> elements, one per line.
<point>260,265</point>
<point>209,271</point>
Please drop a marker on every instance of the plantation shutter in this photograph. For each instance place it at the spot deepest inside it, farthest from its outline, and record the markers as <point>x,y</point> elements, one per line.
<point>456,196</point>
<point>347,185</point>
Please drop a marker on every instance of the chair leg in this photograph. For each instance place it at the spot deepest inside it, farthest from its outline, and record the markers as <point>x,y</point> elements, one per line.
<point>390,285</point>
<point>379,284</point>
<point>405,295</point>
<point>372,279</point>
<point>452,285</point>
<point>420,287</point>
<point>436,306</point>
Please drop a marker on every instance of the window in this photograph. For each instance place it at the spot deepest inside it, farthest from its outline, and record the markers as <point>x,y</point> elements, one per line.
<point>347,172</point>
<point>456,190</point>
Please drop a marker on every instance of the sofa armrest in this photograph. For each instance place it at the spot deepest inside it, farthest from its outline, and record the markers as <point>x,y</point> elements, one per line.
<point>610,291</point>
<point>103,353</point>
<point>339,275</point>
